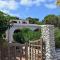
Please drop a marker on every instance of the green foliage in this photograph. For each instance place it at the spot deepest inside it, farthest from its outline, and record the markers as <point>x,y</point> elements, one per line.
<point>34,20</point>
<point>19,37</point>
<point>4,20</point>
<point>58,22</point>
<point>58,3</point>
<point>54,20</point>
<point>3,42</point>
<point>51,19</point>
<point>25,35</point>
<point>14,17</point>
<point>4,23</point>
<point>57,37</point>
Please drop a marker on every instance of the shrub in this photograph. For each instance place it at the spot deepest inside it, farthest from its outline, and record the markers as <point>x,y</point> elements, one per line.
<point>25,35</point>
<point>57,37</point>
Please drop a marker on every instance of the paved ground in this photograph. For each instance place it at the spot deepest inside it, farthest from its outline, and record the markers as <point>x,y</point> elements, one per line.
<point>58,53</point>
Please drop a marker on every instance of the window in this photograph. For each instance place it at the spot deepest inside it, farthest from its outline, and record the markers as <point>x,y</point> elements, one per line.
<point>37,29</point>
<point>14,22</point>
<point>17,30</point>
<point>19,21</point>
<point>24,22</point>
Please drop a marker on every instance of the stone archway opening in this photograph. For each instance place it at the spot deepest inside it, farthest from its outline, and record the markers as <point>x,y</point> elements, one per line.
<point>26,34</point>
<point>17,30</point>
<point>37,29</point>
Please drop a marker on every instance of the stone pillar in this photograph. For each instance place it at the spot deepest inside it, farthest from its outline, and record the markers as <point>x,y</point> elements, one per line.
<point>48,37</point>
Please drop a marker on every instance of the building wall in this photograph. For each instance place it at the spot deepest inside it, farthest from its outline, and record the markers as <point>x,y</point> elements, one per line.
<point>19,21</point>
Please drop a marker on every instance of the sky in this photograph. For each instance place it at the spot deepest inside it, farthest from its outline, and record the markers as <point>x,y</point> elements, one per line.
<point>29,8</point>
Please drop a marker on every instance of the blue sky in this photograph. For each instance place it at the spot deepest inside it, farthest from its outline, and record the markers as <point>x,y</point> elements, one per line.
<point>29,8</point>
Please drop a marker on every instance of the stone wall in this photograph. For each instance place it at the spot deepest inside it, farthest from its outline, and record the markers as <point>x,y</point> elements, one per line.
<point>48,37</point>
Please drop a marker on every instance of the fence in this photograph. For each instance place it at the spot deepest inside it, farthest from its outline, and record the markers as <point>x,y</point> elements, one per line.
<point>37,50</point>
<point>16,51</point>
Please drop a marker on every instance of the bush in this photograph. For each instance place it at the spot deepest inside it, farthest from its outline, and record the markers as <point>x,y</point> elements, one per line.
<point>25,35</point>
<point>57,37</point>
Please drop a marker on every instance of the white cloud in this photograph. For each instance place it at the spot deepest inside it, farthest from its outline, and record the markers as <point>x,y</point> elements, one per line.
<point>47,3</point>
<point>31,2</point>
<point>2,4</point>
<point>7,5</point>
<point>38,2</point>
<point>50,6</point>
<point>10,13</point>
<point>26,2</point>
<point>11,4</point>
<point>5,11</point>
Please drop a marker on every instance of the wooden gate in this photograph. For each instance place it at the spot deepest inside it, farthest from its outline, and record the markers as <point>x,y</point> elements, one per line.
<point>15,51</point>
<point>36,50</point>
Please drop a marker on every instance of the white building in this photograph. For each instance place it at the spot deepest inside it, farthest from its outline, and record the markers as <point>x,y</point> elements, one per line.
<point>18,24</point>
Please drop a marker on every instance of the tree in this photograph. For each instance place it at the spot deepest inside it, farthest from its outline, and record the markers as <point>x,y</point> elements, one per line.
<point>57,37</point>
<point>4,23</point>
<point>58,2</point>
<point>51,19</point>
<point>54,20</point>
<point>14,17</point>
<point>33,20</point>
<point>58,22</point>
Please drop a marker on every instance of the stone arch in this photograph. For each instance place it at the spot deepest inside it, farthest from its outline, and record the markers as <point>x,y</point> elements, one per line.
<point>9,32</point>
<point>47,35</point>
